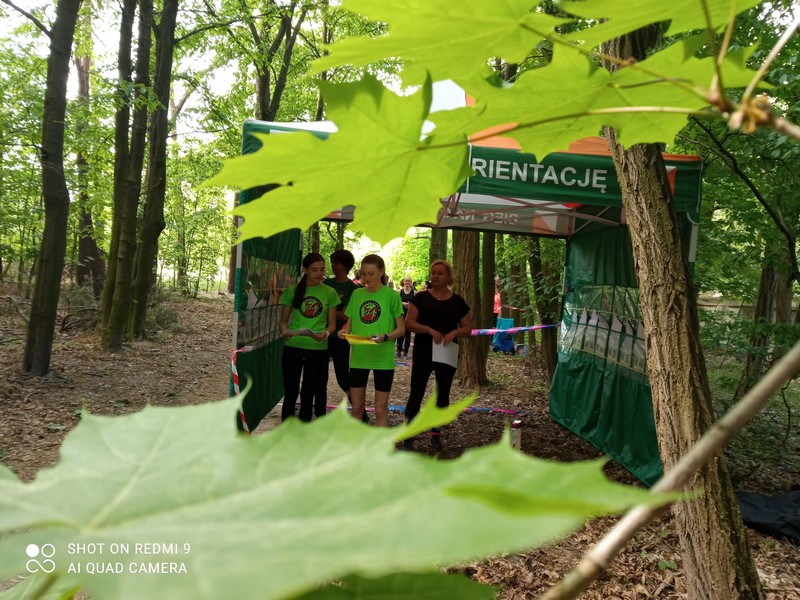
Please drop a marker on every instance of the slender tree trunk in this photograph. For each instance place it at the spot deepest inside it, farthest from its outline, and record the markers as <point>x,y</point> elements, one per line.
<point>153,219</point>
<point>314,235</point>
<point>121,150</point>
<point>502,273</point>
<point>547,293</point>
<point>232,257</point>
<point>438,247</point>
<point>90,263</point>
<point>50,266</point>
<point>486,318</point>
<point>120,307</point>
<point>756,360</point>
<point>472,354</point>
<point>713,540</point>
<point>783,310</point>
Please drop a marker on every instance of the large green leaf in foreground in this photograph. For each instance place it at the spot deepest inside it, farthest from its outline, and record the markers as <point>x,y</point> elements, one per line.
<point>447,39</point>
<point>376,161</point>
<point>278,514</point>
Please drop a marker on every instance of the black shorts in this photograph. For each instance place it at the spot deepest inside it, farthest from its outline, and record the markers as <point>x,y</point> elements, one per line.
<point>382,378</point>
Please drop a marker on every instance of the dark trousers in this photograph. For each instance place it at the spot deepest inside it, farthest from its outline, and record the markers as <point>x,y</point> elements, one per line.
<point>404,343</point>
<point>309,364</point>
<point>420,373</point>
<point>339,352</point>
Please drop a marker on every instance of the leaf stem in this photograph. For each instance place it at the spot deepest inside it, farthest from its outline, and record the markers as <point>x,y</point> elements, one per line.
<point>787,35</point>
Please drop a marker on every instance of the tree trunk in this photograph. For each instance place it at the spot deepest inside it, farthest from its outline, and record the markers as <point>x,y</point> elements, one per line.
<point>783,311</point>
<point>547,294</point>
<point>517,282</point>
<point>756,360</point>
<point>153,219</point>
<point>121,150</point>
<point>502,273</point>
<point>120,306</point>
<point>472,354</point>
<point>313,233</point>
<point>232,258</point>
<point>90,264</point>
<point>713,540</point>
<point>44,305</point>
<point>485,319</point>
<point>438,247</point>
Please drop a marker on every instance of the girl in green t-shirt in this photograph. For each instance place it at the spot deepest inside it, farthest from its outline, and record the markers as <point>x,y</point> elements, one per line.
<point>375,315</point>
<point>308,318</point>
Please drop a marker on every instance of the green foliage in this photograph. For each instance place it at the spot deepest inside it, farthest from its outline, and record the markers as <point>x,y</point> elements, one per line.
<point>299,495</point>
<point>393,179</point>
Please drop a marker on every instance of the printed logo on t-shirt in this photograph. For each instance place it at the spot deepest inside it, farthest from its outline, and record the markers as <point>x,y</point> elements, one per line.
<point>311,307</point>
<point>369,311</point>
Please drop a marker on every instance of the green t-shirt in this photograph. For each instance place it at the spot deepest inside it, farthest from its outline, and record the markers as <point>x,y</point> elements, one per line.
<point>345,290</point>
<point>312,314</point>
<point>373,314</point>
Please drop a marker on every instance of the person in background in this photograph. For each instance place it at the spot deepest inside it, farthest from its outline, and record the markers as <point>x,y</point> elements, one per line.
<point>338,349</point>
<point>307,320</point>
<point>407,292</point>
<point>374,312</point>
<point>436,316</point>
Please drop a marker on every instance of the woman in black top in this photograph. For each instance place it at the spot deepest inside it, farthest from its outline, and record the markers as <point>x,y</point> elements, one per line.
<point>407,294</point>
<point>436,316</point>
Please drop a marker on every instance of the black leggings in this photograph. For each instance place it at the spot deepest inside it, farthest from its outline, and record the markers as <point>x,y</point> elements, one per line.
<point>339,351</point>
<point>404,343</point>
<point>309,364</point>
<point>420,373</point>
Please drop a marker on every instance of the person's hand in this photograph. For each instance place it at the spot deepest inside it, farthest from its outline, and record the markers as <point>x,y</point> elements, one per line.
<point>448,338</point>
<point>436,335</point>
<point>320,336</point>
<point>342,333</point>
<point>378,339</point>
<point>287,334</point>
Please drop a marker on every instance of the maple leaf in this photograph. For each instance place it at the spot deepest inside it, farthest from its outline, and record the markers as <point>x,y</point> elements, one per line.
<point>618,18</point>
<point>445,39</point>
<point>279,514</point>
<point>376,161</point>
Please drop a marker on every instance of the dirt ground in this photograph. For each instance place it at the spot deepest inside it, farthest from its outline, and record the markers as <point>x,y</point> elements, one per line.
<point>188,362</point>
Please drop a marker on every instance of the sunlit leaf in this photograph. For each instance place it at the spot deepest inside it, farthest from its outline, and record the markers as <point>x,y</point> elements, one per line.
<point>274,515</point>
<point>446,39</point>
<point>375,161</point>
<point>619,18</point>
<point>573,98</point>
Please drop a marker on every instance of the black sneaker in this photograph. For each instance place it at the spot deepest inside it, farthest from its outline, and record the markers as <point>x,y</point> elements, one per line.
<point>436,441</point>
<point>365,417</point>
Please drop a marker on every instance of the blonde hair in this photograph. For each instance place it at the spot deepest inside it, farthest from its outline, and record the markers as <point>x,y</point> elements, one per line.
<point>447,267</point>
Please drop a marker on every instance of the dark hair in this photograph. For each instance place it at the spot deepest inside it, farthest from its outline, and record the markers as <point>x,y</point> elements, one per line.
<point>344,258</point>
<point>374,259</point>
<point>300,290</point>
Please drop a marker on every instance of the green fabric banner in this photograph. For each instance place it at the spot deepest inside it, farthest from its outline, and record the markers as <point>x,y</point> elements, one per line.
<point>568,178</point>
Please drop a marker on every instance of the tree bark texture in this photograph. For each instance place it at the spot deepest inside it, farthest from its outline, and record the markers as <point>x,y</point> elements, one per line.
<point>156,188</point>
<point>50,266</point>
<point>121,150</point>
<point>438,247</point>
<point>713,539</point>
<point>472,354</point>
<point>114,332</point>
<point>546,280</point>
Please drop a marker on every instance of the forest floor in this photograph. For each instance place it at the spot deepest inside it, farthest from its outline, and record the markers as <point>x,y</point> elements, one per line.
<point>188,362</point>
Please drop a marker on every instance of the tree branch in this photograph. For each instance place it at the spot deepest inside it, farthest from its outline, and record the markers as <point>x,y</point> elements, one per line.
<point>733,164</point>
<point>596,561</point>
<point>30,17</point>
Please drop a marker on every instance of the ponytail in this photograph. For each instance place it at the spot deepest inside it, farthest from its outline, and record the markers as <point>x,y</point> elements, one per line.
<point>300,290</point>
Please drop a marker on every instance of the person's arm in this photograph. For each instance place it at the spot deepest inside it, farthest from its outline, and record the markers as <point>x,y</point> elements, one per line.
<point>464,329</point>
<point>345,328</point>
<point>283,326</point>
<point>412,324</point>
<point>330,328</point>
